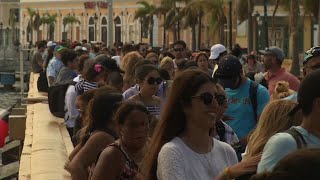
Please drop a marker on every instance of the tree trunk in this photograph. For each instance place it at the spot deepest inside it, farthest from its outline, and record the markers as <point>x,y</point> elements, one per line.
<point>71,31</point>
<point>250,26</point>
<point>199,29</point>
<point>221,30</point>
<point>151,32</point>
<point>294,10</point>
<point>273,16</point>
<point>31,30</point>
<point>319,23</point>
<point>193,29</point>
<point>164,33</point>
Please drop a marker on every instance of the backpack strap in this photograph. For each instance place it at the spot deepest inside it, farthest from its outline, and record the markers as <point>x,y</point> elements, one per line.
<point>297,136</point>
<point>253,91</point>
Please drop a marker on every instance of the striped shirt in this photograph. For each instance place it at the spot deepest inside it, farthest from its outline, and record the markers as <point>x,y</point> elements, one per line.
<point>154,110</point>
<point>84,86</point>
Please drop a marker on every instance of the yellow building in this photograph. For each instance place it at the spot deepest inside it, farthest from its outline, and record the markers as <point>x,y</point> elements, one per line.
<point>9,30</point>
<point>125,28</point>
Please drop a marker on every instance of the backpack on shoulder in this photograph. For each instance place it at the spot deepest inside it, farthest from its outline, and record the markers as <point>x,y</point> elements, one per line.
<point>42,83</point>
<point>56,98</point>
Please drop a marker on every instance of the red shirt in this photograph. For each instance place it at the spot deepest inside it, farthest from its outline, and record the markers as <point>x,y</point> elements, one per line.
<point>282,75</point>
<point>3,132</point>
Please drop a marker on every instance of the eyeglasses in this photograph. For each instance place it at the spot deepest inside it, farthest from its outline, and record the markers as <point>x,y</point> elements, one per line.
<point>221,99</point>
<point>178,49</point>
<point>152,80</point>
<point>206,98</point>
<point>315,67</point>
<point>314,51</point>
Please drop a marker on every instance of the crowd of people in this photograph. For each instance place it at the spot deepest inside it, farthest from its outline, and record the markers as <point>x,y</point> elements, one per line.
<point>134,112</point>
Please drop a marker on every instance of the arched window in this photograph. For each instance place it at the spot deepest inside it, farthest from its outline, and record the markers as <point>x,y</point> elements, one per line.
<point>104,30</point>
<point>117,24</point>
<point>91,29</point>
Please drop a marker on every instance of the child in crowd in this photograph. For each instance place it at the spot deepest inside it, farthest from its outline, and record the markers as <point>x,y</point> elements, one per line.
<point>93,74</point>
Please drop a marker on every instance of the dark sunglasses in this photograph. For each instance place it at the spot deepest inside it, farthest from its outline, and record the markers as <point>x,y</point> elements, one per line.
<point>206,97</point>
<point>178,49</point>
<point>221,99</point>
<point>315,67</point>
<point>152,80</point>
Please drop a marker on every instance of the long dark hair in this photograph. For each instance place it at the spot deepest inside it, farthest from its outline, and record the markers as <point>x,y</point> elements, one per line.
<point>173,118</point>
<point>100,112</point>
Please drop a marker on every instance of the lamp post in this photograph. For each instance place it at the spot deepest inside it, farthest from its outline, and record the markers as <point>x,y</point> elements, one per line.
<point>230,24</point>
<point>1,24</point>
<point>95,18</point>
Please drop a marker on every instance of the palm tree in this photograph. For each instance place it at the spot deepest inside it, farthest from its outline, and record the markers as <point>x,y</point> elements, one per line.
<point>146,13</point>
<point>31,13</point>
<point>215,10</point>
<point>70,20</point>
<point>37,24</point>
<point>12,22</point>
<point>170,9</point>
<point>50,21</point>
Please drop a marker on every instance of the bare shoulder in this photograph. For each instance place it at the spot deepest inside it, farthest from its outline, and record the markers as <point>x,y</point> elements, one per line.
<point>135,98</point>
<point>100,138</point>
<point>111,153</point>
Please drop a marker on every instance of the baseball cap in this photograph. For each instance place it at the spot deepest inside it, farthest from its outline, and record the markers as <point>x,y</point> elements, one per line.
<point>229,66</point>
<point>216,50</point>
<point>308,91</point>
<point>58,48</point>
<point>273,50</point>
<point>312,52</point>
<point>51,43</point>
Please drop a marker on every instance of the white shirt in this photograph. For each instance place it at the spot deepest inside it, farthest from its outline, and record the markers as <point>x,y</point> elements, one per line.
<point>70,104</point>
<point>176,161</point>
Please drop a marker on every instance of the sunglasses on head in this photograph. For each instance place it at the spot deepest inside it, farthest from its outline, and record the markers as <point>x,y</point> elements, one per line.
<point>152,80</point>
<point>178,49</point>
<point>206,98</point>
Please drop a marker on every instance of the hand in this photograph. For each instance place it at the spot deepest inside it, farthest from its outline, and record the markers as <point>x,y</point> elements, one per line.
<point>227,118</point>
<point>246,166</point>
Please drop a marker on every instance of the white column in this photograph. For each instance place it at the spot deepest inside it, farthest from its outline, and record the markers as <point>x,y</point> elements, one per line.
<point>155,31</point>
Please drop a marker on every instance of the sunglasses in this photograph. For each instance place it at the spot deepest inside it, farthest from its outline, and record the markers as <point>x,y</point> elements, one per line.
<point>221,99</point>
<point>206,98</point>
<point>315,67</point>
<point>178,49</point>
<point>152,80</point>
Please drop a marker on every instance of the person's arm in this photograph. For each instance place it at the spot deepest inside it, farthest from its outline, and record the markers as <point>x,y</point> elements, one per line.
<point>170,165</point>
<point>88,154</point>
<point>75,152</point>
<point>103,167</point>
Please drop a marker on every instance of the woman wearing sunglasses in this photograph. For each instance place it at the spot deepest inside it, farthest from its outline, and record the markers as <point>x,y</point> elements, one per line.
<point>221,130</point>
<point>181,147</point>
<point>148,79</point>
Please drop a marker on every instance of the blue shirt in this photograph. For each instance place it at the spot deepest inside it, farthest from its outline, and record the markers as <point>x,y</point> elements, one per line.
<point>54,67</point>
<point>240,108</point>
<point>282,144</point>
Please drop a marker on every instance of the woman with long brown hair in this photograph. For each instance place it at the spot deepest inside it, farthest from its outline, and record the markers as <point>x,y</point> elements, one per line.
<point>181,147</point>
<point>97,133</point>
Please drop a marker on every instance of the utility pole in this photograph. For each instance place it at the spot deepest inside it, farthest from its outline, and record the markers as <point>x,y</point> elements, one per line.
<point>110,23</point>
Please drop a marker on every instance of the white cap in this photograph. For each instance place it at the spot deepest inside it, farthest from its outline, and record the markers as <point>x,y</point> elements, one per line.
<point>80,48</point>
<point>117,58</point>
<point>216,50</point>
<point>51,43</point>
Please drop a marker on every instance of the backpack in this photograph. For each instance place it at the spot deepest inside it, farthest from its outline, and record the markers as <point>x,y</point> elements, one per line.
<point>42,83</point>
<point>297,136</point>
<point>253,91</point>
<point>56,98</point>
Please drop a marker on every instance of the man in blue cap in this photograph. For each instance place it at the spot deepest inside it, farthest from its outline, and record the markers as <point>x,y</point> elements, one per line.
<point>54,65</point>
<point>239,92</point>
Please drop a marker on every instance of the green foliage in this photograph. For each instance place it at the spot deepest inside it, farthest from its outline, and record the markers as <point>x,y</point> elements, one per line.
<point>145,13</point>
<point>70,20</point>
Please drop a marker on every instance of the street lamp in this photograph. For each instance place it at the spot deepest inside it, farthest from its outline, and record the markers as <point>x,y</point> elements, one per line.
<point>95,18</point>
<point>1,24</point>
